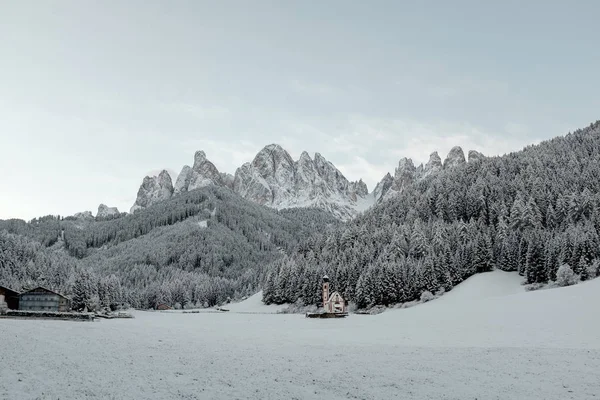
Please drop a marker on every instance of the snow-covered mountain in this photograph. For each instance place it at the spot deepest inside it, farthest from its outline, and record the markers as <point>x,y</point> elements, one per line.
<point>275,179</point>
<point>272,179</point>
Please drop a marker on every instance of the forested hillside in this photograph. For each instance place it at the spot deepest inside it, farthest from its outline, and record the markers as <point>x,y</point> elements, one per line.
<point>530,211</point>
<point>201,247</point>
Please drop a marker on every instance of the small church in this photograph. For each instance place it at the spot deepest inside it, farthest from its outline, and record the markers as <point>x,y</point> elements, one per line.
<point>333,303</point>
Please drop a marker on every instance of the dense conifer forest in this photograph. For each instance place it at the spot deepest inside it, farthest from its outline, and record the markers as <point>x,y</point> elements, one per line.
<point>200,248</point>
<point>534,211</point>
<point>531,211</point>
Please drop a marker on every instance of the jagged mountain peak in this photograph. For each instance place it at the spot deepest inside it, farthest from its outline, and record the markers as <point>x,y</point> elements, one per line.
<point>106,211</point>
<point>434,159</point>
<point>456,156</point>
<point>305,157</point>
<point>273,161</point>
<point>275,151</point>
<point>433,165</point>
<point>203,173</point>
<point>154,189</point>
<point>474,155</point>
<point>84,215</point>
<point>319,157</point>
<point>383,187</point>
<point>273,179</point>
<point>406,173</point>
<point>164,178</point>
<point>274,147</point>
<point>276,180</point>
<point>199,158</point>
<point>405,164</point>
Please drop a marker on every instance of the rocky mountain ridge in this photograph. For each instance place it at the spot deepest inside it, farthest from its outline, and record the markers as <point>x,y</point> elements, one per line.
<point>406,173</point>
<point>274,179</point>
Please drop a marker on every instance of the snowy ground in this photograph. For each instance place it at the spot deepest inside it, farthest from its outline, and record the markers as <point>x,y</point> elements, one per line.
<point>487,339</point>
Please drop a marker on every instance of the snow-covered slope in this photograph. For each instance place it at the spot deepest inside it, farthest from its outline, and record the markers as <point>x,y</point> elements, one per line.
<point>493,309</point>
<point>254,304</point>
<point>480,287</point>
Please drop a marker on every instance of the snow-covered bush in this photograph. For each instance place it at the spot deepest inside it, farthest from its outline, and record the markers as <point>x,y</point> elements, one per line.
<point>299,308</point>
<point>536,286</point>
<point>565,276</point>
<point>351,307</point>
<point>427,296</point>
<point>377,310</point>
<point>594,269</point>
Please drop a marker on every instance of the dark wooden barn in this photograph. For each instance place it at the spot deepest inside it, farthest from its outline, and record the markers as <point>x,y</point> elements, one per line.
<point>9,299</point>
<point>42,299</point>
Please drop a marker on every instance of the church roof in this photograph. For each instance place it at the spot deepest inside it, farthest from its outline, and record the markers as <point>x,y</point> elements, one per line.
<point>335,294</point>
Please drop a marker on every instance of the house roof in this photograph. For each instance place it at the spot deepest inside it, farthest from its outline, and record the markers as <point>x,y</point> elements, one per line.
<point>6,289</point>
<point>47,290</point>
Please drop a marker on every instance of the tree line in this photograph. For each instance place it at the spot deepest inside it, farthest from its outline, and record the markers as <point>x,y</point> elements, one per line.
<point>531,211</point>
<point>201,248</point>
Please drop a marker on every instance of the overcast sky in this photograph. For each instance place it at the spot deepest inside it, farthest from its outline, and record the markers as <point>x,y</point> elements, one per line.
<point>94,95</point>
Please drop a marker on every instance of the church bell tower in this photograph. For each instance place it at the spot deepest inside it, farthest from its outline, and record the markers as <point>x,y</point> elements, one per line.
<point>325,291</point>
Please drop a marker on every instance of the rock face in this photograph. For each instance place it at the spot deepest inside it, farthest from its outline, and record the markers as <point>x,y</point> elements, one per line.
<point>383,187</point>
<point>105,211</point>
<point>406,173</point>
<point>274,179</point>
<point>433,165</point>
<point>227,179</point>
<point>455,157</point>
<point>153,189</point>
<point>474,156</point>
<point>85,215</point>
<point>267,180</point>
<point>202,174</point>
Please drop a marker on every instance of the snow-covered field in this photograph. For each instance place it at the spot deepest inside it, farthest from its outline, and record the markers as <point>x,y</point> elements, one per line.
<point>487,339</point>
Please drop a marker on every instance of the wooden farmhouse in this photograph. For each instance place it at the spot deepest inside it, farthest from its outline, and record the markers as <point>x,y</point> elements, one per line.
<point>334,302</point>
<point>42,299</point>
<point>9,299</point>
